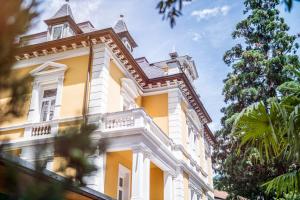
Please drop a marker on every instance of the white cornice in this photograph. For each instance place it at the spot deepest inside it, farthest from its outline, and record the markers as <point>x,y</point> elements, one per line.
<point>51,57</point>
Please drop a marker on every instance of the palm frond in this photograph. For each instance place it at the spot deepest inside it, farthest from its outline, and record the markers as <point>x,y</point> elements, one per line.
<point>284,183</point>
<point>257,126</point>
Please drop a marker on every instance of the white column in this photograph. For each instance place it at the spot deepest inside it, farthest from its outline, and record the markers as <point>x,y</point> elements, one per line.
<point>178,186</point>
<point>147,176</point>
<point>168,186</point>
<point>99,80</point>
<point>140,175</point>
<point>97,179</point>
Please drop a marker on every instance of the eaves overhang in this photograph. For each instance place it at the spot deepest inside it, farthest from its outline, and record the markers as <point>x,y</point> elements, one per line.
<point>24,167</point>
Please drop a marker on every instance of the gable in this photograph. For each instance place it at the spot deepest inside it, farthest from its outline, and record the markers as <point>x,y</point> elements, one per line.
<point>49,68</point>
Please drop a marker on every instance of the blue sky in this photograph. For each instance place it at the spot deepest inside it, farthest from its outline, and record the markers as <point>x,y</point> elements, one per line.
<point>203,32</point>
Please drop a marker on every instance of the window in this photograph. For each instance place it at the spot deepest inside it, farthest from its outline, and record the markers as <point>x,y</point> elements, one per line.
<point>123,183</point>
<point>57,32</point>
<point>48,104</point>
<point>120,188</point>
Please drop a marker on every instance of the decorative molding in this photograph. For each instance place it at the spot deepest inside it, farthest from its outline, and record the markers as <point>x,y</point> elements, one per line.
<point>51,57</point>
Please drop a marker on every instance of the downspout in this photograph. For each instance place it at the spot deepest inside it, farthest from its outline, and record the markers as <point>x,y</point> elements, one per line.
<point>87,83</point>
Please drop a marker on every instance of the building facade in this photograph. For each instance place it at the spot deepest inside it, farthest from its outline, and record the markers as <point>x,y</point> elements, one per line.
<point>149,114</point>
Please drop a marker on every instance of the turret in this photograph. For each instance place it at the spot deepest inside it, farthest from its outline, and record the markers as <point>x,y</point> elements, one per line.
<point>62,24</point>
<point>121,29</point>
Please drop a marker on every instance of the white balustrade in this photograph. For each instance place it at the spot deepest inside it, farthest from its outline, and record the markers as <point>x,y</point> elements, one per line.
<point>41,129</point>
<point>132,119</point>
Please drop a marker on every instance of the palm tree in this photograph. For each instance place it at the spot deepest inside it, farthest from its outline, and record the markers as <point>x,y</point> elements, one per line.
<point>272,129</point>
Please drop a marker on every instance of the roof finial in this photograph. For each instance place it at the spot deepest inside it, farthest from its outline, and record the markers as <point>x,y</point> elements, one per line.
<point>173,54</point>
<point>67,1</point>
<point>121,16</point>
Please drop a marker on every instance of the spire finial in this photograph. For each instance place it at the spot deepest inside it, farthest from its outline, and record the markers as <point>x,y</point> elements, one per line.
<point>121,16</point>
<point>67,1</point>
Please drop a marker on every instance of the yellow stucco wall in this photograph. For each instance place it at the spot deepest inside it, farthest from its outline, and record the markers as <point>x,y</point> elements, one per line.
<point>113,159</point>
<point>156,106</point>
<point>72,94</point>
<point>74,86</point>
<point>73,90</point>
<point>138,101</point>
<point>114,88</point>
<point>186,186</point>
<point>11,134</point>
<point>156,183</point>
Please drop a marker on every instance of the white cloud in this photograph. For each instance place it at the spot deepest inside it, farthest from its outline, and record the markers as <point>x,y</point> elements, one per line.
<point>187,3</point>
<point>196,36</point>
<point>210,12</point>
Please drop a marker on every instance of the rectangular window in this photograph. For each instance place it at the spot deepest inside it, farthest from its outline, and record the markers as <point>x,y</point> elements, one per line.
<point>123,183</point>
<point>48,104</point>
<point>57,32</point>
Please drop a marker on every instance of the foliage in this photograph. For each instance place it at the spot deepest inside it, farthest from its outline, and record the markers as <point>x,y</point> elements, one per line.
<point>172,9</point>
<point>289,4</point>
<point>15,20</point>
<point>258,68</point>
<point>273,128</point>
<point>76,155</point>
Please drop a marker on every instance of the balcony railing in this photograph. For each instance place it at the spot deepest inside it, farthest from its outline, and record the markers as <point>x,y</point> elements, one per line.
<point>41,130</point>
<point>132,119</point>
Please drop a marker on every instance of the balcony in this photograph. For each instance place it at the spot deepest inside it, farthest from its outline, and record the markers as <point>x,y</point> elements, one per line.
<point>135,119</point>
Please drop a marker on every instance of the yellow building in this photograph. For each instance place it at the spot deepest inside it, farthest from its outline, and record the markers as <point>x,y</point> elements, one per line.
<point>159,144</point>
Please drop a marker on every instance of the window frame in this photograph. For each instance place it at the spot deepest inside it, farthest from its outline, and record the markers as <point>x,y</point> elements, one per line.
<point>62,31</point>
<point>49,99</point>
<point>123,172</point>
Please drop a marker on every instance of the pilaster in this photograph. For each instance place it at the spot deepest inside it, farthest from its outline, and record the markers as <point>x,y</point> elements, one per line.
<point>179,186</point>
<point>99,80</point>
<point>168,186</point>
<point>175,121</point>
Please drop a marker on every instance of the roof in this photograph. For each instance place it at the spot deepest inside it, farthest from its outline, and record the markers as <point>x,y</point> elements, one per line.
<point>121,29</point>
<point>28,168</point>
<point>220,194</point>
<point>65,10</point>
<point>224,195</point>
<point>120,25</point>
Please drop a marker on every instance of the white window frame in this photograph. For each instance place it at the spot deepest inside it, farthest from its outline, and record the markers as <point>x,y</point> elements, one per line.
<point>49,99</point>
<point>62,31</point>
<point>123,172</point>
<point>45,79</point>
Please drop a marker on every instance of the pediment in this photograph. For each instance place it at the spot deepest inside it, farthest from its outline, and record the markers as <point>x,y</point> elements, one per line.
<point>49,68</point>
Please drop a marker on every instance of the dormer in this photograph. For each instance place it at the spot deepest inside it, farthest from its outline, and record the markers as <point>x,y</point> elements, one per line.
<point>187,65</point>
<point>62,24</point>
<point>121,29</point>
